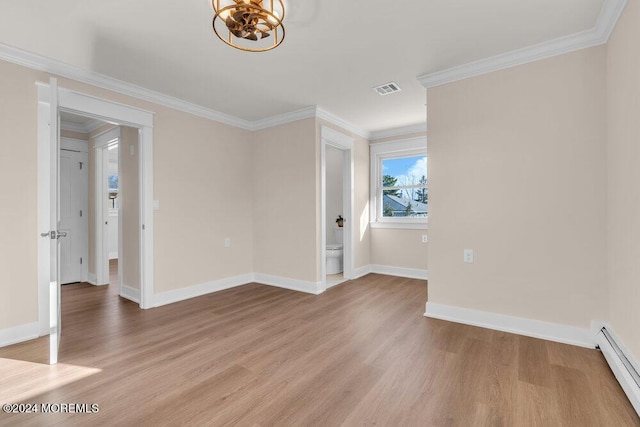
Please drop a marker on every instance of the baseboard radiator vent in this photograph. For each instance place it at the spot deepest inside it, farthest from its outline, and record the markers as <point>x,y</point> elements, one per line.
<point>621,365</point>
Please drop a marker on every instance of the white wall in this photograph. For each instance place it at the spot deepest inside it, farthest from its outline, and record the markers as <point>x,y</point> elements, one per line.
<point>335,188</point>
<point>129,184</point>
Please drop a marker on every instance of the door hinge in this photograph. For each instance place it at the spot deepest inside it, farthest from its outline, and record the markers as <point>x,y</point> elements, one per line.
<point>80,212</point>
<point>80,260</point>
<point>80,165</point>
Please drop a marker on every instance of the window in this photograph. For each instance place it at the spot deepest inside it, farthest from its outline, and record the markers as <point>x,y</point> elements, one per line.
<point>399,193</point>
<point>113,183</point>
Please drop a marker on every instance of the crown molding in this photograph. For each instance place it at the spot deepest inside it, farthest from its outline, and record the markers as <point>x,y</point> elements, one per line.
<point>606,23</point>
<point>400,131</point>
<point>323,114</point>
<point>281,119</point>
<point>41,63</point>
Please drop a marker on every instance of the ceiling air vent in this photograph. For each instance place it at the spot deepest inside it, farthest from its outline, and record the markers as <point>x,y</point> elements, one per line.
<point>387,88</point>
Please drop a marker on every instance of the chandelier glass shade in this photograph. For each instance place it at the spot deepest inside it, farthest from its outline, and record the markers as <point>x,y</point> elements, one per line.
<point>250,25</point>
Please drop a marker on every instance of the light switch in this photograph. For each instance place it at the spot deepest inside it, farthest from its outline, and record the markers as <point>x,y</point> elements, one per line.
<point>424,238</point>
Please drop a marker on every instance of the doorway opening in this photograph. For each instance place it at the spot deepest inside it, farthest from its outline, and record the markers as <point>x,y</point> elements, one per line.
<point>53,104</point>
<point>337,218</point>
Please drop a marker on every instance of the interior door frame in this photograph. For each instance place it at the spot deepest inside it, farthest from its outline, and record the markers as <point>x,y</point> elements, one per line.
<point>113,112</point>
<point>333,138</point>
<point>102,142</point>
<point>81,146</point>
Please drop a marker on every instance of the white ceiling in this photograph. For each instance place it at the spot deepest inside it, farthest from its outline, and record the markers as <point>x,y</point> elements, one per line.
<point>335,51</point>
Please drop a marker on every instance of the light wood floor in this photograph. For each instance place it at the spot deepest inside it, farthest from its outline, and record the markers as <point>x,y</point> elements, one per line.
<point>360,354</point>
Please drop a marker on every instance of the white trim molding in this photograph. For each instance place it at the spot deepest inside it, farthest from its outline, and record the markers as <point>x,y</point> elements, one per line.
<point>91,279</point>
<point>20,333</point>
<point>323,114</point>
<point>281,119</point>
<point>410,273</point>
<point>598,35</point>
<point>398,132</point>
<point>41,63</point>
<point>361,271</point>
<point>516,325</point>
<point>314,288</point>
<point>130,293</point>
<point>37,62</point>
<point>169,297</point>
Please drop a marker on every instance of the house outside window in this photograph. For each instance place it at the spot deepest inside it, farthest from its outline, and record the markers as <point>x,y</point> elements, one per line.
<point>399,192</point>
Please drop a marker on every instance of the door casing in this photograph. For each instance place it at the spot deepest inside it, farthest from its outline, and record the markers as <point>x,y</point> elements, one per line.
<point>112,112</point>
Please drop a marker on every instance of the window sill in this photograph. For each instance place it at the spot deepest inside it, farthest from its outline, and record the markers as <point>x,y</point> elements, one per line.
<point>400,225</point>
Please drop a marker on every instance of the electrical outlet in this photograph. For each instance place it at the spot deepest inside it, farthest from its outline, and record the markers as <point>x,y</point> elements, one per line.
<point>227,242</point>
<point>424,238</point>
<point>468,256</point>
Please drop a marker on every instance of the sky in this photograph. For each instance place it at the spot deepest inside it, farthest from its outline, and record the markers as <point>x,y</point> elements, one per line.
<point>408,170</point>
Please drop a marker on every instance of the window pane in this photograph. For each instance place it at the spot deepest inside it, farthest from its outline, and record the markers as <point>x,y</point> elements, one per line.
<point>113,182</point>
<point>405,202</point>
<point>410,203</point>
<point>404,171</point>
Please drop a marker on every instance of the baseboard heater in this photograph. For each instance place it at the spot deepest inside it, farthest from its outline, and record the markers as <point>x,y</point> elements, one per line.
<point>621,365</point>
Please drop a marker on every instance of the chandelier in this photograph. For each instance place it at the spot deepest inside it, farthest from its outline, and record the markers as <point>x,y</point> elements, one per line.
<point>251,25</point>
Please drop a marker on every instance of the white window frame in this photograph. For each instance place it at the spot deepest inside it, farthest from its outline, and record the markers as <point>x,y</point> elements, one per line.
<point>389,150</point>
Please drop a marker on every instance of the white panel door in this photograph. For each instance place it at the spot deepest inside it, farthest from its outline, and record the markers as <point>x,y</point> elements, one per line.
<point>74,195</point>
<point>55,325</point>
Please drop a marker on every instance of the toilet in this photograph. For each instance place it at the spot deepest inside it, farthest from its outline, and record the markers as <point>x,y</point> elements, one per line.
<point>335,253</point>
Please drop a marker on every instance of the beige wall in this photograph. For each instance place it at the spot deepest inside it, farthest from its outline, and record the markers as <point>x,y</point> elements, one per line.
<point>516,173</point>
<point>18,173</point>
<point>623,176</point>
<point>203,180</point>
<point>284,193</point>
<point>129,193</point>
<point>399,247</point>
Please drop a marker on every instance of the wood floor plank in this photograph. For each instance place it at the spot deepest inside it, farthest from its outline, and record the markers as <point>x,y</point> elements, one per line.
<point>362,353</point>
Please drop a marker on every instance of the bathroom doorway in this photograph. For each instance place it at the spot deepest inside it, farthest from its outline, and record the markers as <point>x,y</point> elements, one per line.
<point>337,208</point>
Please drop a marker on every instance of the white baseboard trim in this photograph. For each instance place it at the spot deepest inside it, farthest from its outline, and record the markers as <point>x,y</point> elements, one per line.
<point>92,279</point>
<point>516,325</point>
<point>113,255</point>
<point>130,293</point>
<point>314,288</point>
<point>169,297</point>
<point>410,273</point>
<point>627,382</point>
<point>361,272</point>
<point>20,333</point>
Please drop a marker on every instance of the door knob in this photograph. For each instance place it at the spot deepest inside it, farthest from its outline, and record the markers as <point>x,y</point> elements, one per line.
<point>61,234</point>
